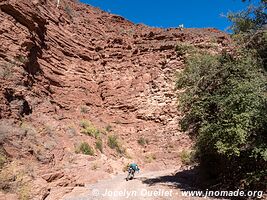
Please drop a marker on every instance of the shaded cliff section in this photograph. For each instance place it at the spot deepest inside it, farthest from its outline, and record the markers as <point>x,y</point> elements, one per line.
<point>25,29</point>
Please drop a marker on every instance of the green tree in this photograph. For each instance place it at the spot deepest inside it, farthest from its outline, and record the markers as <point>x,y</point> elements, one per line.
<point>250,27</point>
<point>249,20</point>
<point>225,107</point>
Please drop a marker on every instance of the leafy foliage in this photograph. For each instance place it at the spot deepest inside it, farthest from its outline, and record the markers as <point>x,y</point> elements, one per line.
<point>251,19</point>
<point>225,107</point>
<point>250,29</point>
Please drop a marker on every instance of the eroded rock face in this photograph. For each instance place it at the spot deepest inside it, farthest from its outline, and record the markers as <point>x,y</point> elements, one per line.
<point>61,65</point>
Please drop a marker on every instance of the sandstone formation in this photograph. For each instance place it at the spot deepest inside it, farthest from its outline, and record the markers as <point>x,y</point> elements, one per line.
<point>61,66</point>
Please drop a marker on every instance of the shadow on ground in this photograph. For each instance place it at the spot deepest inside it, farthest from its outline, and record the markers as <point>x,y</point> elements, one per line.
<point>187,180</point>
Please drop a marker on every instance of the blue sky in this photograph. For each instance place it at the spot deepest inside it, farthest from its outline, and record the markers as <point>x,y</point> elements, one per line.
<point>171,13</point>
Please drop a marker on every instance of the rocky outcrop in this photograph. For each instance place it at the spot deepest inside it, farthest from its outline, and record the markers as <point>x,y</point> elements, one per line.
<point>61,65</point>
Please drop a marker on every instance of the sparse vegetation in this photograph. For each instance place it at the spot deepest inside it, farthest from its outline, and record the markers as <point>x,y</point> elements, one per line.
<point>3,160</point>
<point>95,166</point>
<point>142,141</point>
<point>113,143</point>
<point>129,32</point>
<point>150,158</point>
<point>121,150</point>
<point>117,122</point>
<point>6,179</point>
<point>71,131</point>
<point>15,179</point>
<point>85,123</point>
<point>24,192</point>
<point>85,148</point>
<point>5,71</point>
<point>69,11</point>
<point>187,157</point>
<point>84,109</point>
<point>22,59</point>
<point>184,48</point>
<point>89,129</point>
<point>125,168</point>
<point>99,145</point>
<point>29,129</point>
<point>108,128</point>
<point>48,130</point>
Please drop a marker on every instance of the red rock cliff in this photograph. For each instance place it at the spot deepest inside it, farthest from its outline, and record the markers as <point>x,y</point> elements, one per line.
<point>59,66</point>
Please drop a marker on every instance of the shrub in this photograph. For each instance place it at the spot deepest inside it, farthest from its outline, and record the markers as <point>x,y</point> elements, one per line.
<point>224,104</point>
<point>85,148</point>
<point>142,141</point>
<point>85,123</point>
<point>99,145</point>
<point>113,143</point>
<point>92,131</point>
<point>183,48</point>
<point>89,129</point>
<point>187,157</point>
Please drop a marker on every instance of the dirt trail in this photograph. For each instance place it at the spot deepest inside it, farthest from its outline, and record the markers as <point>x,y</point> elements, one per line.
<point>138,189</point>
